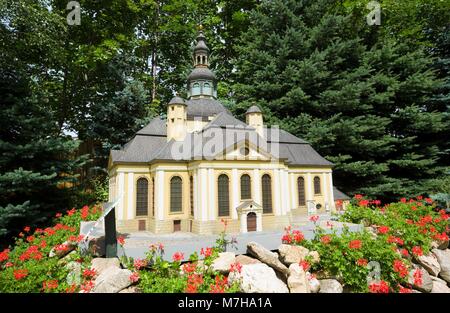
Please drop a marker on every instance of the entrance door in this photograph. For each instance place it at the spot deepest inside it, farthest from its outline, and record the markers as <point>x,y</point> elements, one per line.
<point>251,221</point>
<point>176,225</point>
<point>141,225</point>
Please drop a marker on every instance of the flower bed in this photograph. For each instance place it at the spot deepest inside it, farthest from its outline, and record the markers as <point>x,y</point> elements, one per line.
<point>28,266</point>
<point>378,259</point>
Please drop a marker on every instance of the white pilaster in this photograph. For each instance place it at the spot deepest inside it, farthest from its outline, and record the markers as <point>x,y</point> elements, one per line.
<point>309,185</point>
<point>130,196</point>
<point>203,194</point>
<point>121,193</point>
<point>292,191</point>
<point>235,186</point>
<point>257,186</point>
<point>243,223</point>
<point>195,200</point>
<point>277,191</point>
<point>212,195</point>
<point>331,193</point>
<point>159,184</point>
<point>258,221</point>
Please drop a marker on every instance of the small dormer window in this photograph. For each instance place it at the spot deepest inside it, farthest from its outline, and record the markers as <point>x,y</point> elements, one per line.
<point>173,108</point>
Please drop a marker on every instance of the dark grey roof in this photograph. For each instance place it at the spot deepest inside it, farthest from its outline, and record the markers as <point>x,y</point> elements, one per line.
<point>339,195</point>
<point>223,119</point>
<point>253,109</point>
<point>204,107</point>
<point>150,143</point>
<point>201,73</point>
<point>156,127</point>
<point>282,136</point>
<point>201,44</point>
<point>177,100</point>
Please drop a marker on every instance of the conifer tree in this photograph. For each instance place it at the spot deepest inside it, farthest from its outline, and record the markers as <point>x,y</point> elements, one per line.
<point>362,101</point>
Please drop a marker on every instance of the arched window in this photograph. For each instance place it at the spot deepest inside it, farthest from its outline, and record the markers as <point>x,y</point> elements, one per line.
<point>223,191</point>
<point>203,60</point>
<point>246,187</point>
<point>196,89</point>
<point>266,193</point>
<point>301,191</point>
<point>316,185</point>
<point>176,194</point>
<point>142,197</point>
<point>207,89</point>
<point>198,59</point>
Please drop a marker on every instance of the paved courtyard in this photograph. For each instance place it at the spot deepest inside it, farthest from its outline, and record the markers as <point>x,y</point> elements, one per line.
<point>137,244</point>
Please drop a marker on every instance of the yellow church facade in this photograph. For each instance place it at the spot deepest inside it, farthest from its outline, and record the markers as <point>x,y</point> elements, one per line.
<point>202,166</point>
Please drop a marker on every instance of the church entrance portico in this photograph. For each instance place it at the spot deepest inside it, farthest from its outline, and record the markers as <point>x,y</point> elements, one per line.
<point>250,215</point>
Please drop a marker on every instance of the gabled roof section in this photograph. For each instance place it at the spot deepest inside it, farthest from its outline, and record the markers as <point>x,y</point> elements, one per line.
<point>224,119</point>
<point>156,127</point>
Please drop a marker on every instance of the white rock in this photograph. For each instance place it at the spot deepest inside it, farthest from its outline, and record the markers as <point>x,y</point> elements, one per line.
<point>112,280</point>
<point>267,257</point>
<point>314,255</point>
<point>426,284</point>
<point>243,260</point>
<point>223,262</point>
<point>443,257</point>
<point>258,278</point>
<point>440,287</point>
<point>430,263</point>
<point>314,284</point>
<point>102,264</point>
<point>292,254</point>
<point>297,281</point>
<point>330,286</point>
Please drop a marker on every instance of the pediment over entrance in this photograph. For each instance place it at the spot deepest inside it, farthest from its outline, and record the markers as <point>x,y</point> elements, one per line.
<point>247,206</point>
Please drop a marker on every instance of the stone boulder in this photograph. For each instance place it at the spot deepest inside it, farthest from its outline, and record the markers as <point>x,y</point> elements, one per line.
<point>290,254</point>
<point>267,257</point>
<point>430,263</point>
<point>131,289</point>
<point>314,284</point>
<point>314,255</point>
<point>74,276</point>
<point>67,246</point>
<point>223,262</point>
<point>440,287</point>
<point>102,264</point>
<point>297,280</point>
<point>330,286</point>
<point>426,282</point>
<point>443,257</point>
<point>112,280</point>
<point>439,244</point>
<point>244,260</point>
<point>258,278</point>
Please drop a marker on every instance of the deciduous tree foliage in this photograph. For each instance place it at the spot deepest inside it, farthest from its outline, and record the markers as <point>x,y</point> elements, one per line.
<point>359,97</point>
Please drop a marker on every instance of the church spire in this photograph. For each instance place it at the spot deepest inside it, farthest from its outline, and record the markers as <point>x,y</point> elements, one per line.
<point>201,81</point>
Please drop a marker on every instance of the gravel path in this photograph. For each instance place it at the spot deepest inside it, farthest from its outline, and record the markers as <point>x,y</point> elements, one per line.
<point>137,244</point>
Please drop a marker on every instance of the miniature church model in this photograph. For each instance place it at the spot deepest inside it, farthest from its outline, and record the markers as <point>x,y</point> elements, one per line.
<point>201,166</point>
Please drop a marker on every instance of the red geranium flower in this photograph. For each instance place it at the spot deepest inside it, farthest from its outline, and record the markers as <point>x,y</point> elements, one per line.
<point>20,273</point>
<point>383,229</point>
<point>206,252</point>
<point>325,239</point>
<point>381,287</point>
<point>417,251</point>
<point>50,284</point>
<point>178,257</point>
<point>4,255</point>
<point>121,240</point>
<point>314,218</point>
<point>71,212</point>
<point>26,229</point>
<point>305,265</point>
<point>355,244</point>
<point>58,215</point>
<point>364,202</point>
<point>428,200</point>
<point>298,236</point>
<point>404,290</point>
<point>138,264</point>
<point>84,212</point>
<point>358,196</point>
<point>400,268</point>
<point>134,277</point>
<point>404,252</point>
<point>403,200</point>
<point>189,267</point>
<point>89,273</point>
<point>417,277</point>
<point>362,262</point>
